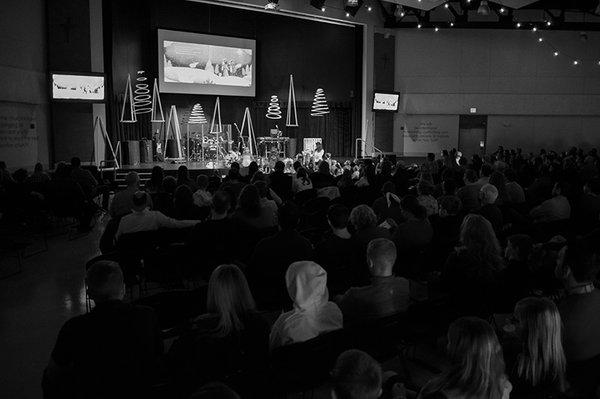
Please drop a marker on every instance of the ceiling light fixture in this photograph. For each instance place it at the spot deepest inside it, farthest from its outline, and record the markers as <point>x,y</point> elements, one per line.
<point>272,5</point>
<point>318,4</point>
<point>556,53</point>
<point>518,24</point>
<point>352,6</point>
<point>484,8</point>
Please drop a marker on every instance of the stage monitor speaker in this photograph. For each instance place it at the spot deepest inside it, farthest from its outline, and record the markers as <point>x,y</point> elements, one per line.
<point>131,152</point>
<point>171,150</point>
<point>146,153</point>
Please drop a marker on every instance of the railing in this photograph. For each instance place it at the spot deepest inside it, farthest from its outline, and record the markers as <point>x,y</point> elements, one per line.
<point>367,145</point>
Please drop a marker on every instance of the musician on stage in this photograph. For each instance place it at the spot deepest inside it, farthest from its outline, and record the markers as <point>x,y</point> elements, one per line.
<point>318,153</point>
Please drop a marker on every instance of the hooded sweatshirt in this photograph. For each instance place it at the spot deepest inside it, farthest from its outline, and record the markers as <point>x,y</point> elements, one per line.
<point>313,314</point>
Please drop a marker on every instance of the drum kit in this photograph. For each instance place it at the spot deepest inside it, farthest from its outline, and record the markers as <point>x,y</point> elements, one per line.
<point>207,147</point>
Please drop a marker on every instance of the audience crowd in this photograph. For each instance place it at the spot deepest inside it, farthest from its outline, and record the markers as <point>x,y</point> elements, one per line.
<point>495,258</point>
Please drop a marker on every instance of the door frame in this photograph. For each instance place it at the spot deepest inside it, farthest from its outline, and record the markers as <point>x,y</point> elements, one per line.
<point>468,121</point>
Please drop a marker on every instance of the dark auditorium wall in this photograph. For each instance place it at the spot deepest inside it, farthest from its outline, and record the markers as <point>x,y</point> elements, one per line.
<point>317,54</point>
<point>384,80</point>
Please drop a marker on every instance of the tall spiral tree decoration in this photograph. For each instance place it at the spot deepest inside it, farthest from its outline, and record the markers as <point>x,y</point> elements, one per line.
<point>142,99</point>
<point>319,105</point>
<point>197,115</point>
<point>274,110</point>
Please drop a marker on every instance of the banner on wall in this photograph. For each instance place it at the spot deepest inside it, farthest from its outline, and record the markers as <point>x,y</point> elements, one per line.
<point>422,134</point>
<point>18,135</point>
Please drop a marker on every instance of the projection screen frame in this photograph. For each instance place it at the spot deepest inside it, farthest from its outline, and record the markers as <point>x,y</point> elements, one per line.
<point>203,38</point>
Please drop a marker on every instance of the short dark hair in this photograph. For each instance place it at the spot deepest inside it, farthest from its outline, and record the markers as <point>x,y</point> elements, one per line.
<point>522,243</point>
<point>356,375</point>
<point>279,166</point>
<point>450,203</point>
<point>583,260</point>
<point>221,202</point>
<point>139,198</point>
<point>289,216</point>
<point>104,280</point>
<point>470,175</point>
<point>75,162</point>
<point>338,216</point>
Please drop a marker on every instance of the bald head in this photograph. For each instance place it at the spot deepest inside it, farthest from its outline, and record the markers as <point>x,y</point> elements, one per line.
<point>381,255</point>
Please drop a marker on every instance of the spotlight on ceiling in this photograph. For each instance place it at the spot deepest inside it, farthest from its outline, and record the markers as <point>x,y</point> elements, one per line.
<point>484,8</point>
<point>399,12</point>
<point>272,5</point>
<point>352,6</point>
<point>318,4</point>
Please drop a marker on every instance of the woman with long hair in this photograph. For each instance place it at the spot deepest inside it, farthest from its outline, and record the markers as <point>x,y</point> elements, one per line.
<point>155,184</point>
<point>229,343</point>
<point>476,363</point>
<point>250,211</point>
<point>472,272</point>
<point>538,365</point>
<point>301,181</point>
<point>229,299</point>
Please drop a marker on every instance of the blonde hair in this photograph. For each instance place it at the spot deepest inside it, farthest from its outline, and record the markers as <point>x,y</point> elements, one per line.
<point>479,240</point>
<point>230,298</point>
<point>543,358</point>
<point>477,368</point>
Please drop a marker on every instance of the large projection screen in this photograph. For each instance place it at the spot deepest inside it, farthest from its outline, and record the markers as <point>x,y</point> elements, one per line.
<point>193,63</point>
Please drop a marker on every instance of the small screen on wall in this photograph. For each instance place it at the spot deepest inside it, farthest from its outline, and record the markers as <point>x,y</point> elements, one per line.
<point>77,87</point>
<point>194,63</point>
<point>383,101</point>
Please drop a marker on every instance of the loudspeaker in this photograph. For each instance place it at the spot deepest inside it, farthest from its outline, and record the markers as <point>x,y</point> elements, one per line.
<point>171,150</point>
<point>146,153</point>
<point>131,152</point>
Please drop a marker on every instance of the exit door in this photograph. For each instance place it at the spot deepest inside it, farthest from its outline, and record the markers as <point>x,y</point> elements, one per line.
<point>472,134</point>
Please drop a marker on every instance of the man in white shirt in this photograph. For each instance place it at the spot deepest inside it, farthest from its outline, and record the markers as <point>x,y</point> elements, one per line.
<point>319,152</point>
<point>143,219</point>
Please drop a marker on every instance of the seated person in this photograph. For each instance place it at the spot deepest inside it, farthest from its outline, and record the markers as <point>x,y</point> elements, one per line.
<point>469,193</point>
<point>476,365</point>
<point>518,278</point>
<point>84,178</point>
<point>202,197</point>
<point>154,184</point>
<point>587,213</point>
<point>580,308</point>
<point>386,295</point>
<point>280,182</point>
<point>111,352</point>
<point>272,255</point>
<point>488,196</point>
<point>426,199</point>
<point>313,314</point>
<point>446,228</point>
<point>122,203</point>
<point>265,202</point>
<point>535,360</point>
<point>143,219</point>
<point>231,339</point>
<point>301,181</point>
<point>364,222</point>
<point>415,232</point>
<point>554,209</point>
<point>514,192</point>
<point>251,212</point>
<point>388,205</point>
<point>184,207</point>
<point>337,252</point>
<point>356,375</point>
<point>322,178</point>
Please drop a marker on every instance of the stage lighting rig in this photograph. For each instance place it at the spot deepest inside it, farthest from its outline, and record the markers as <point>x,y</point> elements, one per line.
<point>318,4</point>
<point>272,5</point>
<point>352,6</point>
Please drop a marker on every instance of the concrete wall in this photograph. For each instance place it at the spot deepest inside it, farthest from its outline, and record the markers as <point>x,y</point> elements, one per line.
<point>533,99</point>
<point>23,77</point>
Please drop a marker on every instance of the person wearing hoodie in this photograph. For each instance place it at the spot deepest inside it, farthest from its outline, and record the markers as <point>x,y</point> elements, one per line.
<point>312,314</point>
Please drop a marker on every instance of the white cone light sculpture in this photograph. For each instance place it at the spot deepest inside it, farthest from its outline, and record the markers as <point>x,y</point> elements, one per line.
<point>197,116</point>
<point>319,105</point>
<point>274,110</point>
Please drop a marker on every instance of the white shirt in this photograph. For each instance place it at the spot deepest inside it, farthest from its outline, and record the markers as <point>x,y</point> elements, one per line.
<point>148,220</point>
<point>318,155</point>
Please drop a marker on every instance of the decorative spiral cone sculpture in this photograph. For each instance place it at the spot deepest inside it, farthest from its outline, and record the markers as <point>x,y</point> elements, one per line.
<point>128,111</point>
<point>274,110</point>
<point>197,115</point>
<point>291,118</point>
<point>142,100</point>
<point>157,111</point>
<point>216,118</point>
<point>319,105</point>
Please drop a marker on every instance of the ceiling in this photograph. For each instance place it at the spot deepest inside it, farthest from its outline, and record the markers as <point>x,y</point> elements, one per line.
<point>504,14</point>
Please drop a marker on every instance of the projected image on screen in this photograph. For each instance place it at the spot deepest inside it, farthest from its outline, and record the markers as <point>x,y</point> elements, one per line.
<point>77,87</point>
<point>206,64</point>
<point>386,102</point>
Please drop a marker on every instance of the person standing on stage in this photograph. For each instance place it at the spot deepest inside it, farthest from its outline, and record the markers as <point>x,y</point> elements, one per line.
<point>318,153</point>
